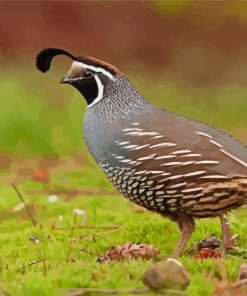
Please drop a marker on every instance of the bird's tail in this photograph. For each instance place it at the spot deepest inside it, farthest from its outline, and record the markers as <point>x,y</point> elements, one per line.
<point>242,188</point>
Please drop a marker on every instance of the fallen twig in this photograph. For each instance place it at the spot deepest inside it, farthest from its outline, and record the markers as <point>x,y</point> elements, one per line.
<point>97,234</point>
<point>81,291</point>
<point>90,252</point>
<point>34,262</point>
<point>87,227</point>
<point>71,236</point>
<point>29,212</point>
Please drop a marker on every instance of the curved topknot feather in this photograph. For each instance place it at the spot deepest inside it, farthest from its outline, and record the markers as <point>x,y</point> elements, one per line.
<point>45,56</point>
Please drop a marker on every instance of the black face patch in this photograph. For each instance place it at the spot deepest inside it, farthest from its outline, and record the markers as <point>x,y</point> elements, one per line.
<point>88,87</point>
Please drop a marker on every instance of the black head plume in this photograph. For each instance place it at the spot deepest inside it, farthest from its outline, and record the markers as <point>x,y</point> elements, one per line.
<point>45,56</point>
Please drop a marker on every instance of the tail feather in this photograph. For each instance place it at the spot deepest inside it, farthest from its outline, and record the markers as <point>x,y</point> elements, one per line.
<point>242,185</point>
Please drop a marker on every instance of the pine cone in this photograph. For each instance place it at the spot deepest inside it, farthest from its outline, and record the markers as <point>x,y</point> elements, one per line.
<point>129,251</point>
<point>209,242</point>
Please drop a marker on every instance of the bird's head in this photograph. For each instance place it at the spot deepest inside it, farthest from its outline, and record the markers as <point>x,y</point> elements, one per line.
<point>88,75</point>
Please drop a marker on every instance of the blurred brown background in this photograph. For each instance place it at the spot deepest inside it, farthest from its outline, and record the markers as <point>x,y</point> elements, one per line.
<point>186,56</point>
<point>198,41</point>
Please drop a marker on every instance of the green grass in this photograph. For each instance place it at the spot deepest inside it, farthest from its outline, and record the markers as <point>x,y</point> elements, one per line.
<point>100,208</point>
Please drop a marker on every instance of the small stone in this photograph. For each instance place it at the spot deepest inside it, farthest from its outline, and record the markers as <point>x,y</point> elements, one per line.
<point>79,212</point>
<point>18,207</point>
<point>34,239</point>
<point>169,274</point>
<point>52,198</point>
<point>243,271</point>
<point>212,242</point>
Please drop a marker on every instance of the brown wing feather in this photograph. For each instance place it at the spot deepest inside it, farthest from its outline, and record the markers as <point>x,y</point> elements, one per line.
<point>186,180</point>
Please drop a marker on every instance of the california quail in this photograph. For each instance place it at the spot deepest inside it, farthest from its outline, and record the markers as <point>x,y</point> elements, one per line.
<point>167,163</point>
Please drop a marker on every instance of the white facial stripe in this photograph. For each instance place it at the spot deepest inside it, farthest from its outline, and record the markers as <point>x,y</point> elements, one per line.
<point>95,69</point>
<point>100,92</point>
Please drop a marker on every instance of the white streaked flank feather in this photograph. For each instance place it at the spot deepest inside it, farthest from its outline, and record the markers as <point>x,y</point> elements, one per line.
<point>233,157</point>
<point>205,135</point>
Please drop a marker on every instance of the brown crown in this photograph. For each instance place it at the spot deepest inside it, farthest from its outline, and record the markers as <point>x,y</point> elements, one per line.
<point>98,63</point>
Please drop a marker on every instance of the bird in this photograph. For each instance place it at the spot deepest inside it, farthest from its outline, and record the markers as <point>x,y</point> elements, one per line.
<point>178,167</point>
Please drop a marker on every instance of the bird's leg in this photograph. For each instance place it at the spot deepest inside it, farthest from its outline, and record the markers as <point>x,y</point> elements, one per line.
<point>186,225</point>
<point>227,236</point>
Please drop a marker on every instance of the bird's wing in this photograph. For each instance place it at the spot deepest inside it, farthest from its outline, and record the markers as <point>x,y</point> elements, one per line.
<point>188,167</point>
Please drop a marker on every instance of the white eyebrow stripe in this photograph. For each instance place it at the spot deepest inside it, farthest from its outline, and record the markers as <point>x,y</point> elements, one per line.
<point>135,123</point>
<point>205,135</point>
<point>100,92</point>
<point>233,157</point>
<point>95,69</point>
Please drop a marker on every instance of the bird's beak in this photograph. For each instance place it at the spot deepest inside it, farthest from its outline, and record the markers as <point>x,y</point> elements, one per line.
<point>66,79</point>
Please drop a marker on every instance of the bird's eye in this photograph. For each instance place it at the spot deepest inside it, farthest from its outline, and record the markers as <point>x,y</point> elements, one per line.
<point>87,74</point>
